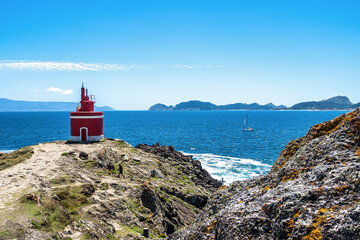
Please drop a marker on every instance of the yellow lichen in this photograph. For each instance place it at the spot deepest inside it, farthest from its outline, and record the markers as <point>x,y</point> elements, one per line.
<point>341,188</point>
<point>222,187</point>
<point>315,227</point>
<point>291,222</point>
<point>322,210</point>
<point>316,131</point>
<point>319,190</point>
<point>296,214</point>
<point>333,208</point>
<point>211,226</point>
<point>358,152</point>
<point>292,176</point>
<point>329,127</point>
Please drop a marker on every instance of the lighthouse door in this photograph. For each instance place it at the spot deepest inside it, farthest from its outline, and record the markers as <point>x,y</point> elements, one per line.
<point>83,133</point>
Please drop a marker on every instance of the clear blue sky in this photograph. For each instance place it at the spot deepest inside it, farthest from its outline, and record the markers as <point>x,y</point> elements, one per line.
<point>133,54</point>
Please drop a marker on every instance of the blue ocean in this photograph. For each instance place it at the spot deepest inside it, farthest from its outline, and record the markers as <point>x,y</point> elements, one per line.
<point>215,138</point>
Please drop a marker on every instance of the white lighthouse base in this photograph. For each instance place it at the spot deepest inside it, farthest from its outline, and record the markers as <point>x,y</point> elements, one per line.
<point>89,138</point>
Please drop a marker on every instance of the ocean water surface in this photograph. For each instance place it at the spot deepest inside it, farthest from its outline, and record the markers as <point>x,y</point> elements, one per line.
<point>215,138</point>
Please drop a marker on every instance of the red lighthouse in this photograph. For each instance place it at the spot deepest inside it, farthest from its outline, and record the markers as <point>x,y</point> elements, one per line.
<point>86,125</point>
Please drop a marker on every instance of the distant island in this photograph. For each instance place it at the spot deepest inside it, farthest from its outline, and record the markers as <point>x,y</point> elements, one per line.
<point>334,103</point>
<point>8,105</point>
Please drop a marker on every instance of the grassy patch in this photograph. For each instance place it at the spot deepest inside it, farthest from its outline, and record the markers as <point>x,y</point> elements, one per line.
<point>91,163</point>
<point>74,197</point>
<point>104,172</point>
<point>50,216</point>
<point>109,236</point>
<point>137,209</point>
<point>104,186</point>
<point>10,159</point>
<point>4,233</point>
<point>135,231</point>
<point>186,179</point>
<point>64,179</point>
<point>12,233</point>
<point>134,149</point>
<point>129,231</point>
<point>54,214</point>
<point>135,161</point>
<point>121,144</point>
<point>86,236</point>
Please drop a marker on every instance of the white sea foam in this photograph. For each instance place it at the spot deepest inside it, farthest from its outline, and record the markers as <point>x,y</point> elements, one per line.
<point>231,168</point>
<point>6,151</point>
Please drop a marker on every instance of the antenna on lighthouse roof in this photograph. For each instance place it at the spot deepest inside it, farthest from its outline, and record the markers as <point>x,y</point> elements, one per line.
<point>82,84</point>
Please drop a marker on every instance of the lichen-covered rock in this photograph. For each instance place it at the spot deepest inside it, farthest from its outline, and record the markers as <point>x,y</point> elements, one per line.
<point>311,192</point>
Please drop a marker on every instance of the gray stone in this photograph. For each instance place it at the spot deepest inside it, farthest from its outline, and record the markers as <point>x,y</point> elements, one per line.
<point>156,174</point>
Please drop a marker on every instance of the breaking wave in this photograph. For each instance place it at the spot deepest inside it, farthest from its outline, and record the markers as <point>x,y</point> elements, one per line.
<point>230,169</point>
<point>6,151</point>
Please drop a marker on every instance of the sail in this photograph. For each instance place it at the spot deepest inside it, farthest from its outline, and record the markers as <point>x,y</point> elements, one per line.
<point>246,127</point>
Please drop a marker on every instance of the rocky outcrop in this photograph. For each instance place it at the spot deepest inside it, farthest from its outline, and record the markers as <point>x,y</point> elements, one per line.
<point>62,190</point>
<point>311,192</point>
<point>188,167</point>
<point>160,107</point>
<point>338,102</point>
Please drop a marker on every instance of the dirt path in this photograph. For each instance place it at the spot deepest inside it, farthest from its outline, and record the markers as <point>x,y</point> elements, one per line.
<point>29,176</point>
<point>46,163</point>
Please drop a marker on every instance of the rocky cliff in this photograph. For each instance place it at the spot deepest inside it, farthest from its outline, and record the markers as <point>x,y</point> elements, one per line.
<point>311,192</point>
<point>60,190</point>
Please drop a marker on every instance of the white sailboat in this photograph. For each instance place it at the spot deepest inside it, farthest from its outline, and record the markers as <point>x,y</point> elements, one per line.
<point>245,126</point>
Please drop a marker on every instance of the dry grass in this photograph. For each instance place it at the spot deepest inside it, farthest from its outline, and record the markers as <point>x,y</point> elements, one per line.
<point>10,159</point>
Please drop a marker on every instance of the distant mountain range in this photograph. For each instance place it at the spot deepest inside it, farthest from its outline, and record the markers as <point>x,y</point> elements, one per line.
<point>334,103</point>
<point>7,105</point>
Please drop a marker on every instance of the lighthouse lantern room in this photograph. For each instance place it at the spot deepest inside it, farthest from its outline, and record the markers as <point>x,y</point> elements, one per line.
<point>86,125</point>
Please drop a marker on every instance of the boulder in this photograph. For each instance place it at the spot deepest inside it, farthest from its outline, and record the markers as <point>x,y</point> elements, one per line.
<point>156,173</point>
<point>83,155</point>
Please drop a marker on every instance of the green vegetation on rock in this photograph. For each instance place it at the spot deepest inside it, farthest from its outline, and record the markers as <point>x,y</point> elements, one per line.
<point>10,159</point>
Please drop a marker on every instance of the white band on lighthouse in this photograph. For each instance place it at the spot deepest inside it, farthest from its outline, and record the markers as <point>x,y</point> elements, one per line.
<point>89,138</point>
<point>83,117</point>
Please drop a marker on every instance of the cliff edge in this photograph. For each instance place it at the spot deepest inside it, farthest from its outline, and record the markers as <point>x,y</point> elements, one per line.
<point>311,192</point>
<point>60,190</point>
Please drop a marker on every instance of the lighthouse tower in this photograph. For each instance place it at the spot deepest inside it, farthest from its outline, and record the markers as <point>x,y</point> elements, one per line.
<point>86,125</point>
